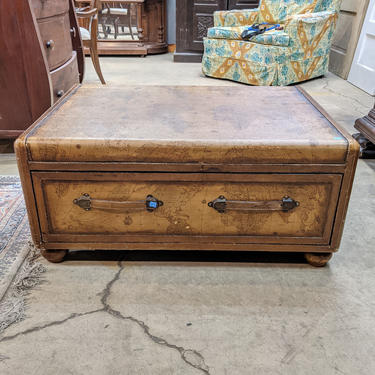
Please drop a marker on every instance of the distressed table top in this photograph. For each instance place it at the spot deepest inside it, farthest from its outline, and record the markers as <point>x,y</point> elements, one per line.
<point>195,124</point>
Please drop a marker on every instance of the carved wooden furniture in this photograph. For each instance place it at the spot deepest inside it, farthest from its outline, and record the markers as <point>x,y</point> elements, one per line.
<point>120,16</point>
<point>209,174</point>
<point>89,19</point>
<point>366,137</point>
<point>41,60</point>
<point>151,34</point>
<point>193,18</point>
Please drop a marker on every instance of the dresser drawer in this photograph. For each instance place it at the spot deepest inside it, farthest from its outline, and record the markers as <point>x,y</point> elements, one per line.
<point>65,77</point>
<point>56,39</point>
<point>49,8</point>
<point>173,207</point>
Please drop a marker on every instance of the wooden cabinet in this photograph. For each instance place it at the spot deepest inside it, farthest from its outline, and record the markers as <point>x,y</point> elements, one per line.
<point>141,30</point>
<point>41,59</point>
<point>199,19</point>
<point>193,18</point>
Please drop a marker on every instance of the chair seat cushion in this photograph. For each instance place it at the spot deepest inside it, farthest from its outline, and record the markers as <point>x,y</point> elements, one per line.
<point>272,37</point>
<point>116,11</point>
<point>85,34</point>
<point>259,64</point>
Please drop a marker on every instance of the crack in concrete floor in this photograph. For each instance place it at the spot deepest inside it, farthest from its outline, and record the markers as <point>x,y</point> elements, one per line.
<point>359,108</point>
<point>190,356</point>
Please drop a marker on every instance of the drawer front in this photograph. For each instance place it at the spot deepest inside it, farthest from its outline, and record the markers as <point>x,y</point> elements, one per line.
<point>56,39</point>
<point>65,77</point>
<point>49,8</point>
<point>113,207</point>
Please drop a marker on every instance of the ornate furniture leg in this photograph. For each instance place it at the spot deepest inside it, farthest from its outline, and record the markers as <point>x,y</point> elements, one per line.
<point>130,21</point>
<point>139,24</point>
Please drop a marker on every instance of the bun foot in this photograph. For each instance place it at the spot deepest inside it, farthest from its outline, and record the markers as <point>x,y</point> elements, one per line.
<point>318,259</point>
<point>54,256</point>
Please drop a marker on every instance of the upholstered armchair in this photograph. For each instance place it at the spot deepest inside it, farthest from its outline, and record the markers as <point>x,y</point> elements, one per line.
<point>278,57</point>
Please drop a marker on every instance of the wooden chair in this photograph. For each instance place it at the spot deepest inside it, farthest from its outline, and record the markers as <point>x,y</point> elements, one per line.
<point>119,15</point>
<point>88,18</point>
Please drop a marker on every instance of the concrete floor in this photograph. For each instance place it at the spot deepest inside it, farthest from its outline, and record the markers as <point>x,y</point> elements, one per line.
<point>179,313</point>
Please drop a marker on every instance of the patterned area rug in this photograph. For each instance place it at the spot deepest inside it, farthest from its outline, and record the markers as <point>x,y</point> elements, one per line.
<point>19,270</point>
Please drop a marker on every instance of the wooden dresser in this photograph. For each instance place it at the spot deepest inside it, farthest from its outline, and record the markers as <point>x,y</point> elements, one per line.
<point>41,60</point>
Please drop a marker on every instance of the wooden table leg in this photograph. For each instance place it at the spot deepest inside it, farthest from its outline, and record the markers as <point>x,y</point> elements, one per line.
<point>318,259</point>
<point>54,256</point>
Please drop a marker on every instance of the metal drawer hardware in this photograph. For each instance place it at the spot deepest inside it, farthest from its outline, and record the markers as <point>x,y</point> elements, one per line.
<point>87,203</point>
<point>152,203</point>
<point>221,205</point>
<point>50,44</point>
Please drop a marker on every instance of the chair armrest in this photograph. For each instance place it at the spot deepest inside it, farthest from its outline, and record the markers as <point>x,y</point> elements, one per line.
<point>84,9</point>
<point>239,17</point>
<point>309,19</point>
<point>88,14</point>
<point>311,33</point>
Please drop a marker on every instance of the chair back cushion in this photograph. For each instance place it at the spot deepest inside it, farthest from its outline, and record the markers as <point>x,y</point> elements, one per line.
<point>310,6</point>
<point>270,10</point>
<point>274,11</point>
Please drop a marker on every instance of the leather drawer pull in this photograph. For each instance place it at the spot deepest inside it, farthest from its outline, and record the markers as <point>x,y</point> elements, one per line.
<point>222,205</point>
<point>87,203</point>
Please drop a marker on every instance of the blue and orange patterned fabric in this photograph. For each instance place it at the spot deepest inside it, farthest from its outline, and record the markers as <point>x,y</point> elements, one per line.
<point>278,57</point>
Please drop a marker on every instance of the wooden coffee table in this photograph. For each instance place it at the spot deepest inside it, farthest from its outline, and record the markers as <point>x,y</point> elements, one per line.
<point>187,168</point>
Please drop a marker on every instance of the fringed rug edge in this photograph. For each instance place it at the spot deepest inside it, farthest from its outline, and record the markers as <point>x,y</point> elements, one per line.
<point>28,276</point>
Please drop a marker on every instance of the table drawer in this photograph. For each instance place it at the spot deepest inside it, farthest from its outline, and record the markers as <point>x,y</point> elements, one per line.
<point>56,39</point>
<point>115,207</point>
<point>65,77</point>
